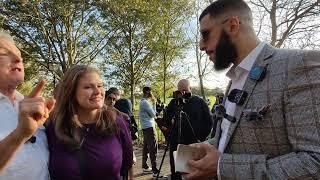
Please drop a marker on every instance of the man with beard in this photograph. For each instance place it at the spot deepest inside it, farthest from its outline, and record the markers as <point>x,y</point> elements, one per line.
<point>271,123</point>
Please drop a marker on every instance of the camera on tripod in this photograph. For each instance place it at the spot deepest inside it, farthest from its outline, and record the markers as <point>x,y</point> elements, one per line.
<point>181,97</point>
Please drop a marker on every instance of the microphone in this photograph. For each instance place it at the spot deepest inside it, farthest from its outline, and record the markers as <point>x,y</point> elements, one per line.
<point>230,118</point>
<point>32,140</point>
<point>258,73</point>
<point>254,115</point>
<point>237,96</point>
<point>220,111</point>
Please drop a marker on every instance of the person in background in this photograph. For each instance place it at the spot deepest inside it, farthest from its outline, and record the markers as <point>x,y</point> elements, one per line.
<point>271,127</point>
<point>87,140</point>
<point>111,98</point>
<point>23,143</point>
<point>125,107</point>
<point>122,104</point>
<point>147,113</point>
<point>216,113</point>
<point>218,101</point>
<point>195,122</point>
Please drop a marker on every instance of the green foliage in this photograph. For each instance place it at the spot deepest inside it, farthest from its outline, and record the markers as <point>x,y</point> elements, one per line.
<point>130,50</point>
<point>136,42</point>
<point>208,92</point>
<point>212,100</point>
<point>148,33</point>
<point>26,88</point>
<point>55,34</point>
<point>172,43</point>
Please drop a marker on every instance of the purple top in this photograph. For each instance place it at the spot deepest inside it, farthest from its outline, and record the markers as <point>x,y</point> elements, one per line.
<point>105,157</point>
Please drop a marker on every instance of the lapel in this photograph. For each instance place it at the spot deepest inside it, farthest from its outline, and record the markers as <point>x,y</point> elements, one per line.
<point>262,60</point>
<point>218,127</point>
<point>217,135</point>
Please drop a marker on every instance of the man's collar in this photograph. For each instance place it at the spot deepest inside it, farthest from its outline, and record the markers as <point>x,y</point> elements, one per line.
<point>247,63</point>
<point>18,96</point>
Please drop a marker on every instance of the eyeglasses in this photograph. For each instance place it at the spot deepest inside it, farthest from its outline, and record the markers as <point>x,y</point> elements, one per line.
<point>205,34</point>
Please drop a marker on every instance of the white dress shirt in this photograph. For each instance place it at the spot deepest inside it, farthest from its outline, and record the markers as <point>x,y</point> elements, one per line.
<point>31,159</point>
<point>238,75</point>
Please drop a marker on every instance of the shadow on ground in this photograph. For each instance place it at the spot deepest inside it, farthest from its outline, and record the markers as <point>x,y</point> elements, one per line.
<point>140,175</point>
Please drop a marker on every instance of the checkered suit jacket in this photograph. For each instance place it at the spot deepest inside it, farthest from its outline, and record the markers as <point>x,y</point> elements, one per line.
<point>285,143</point>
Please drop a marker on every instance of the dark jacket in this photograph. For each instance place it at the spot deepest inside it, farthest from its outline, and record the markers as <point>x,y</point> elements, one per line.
<point>125,106</point>
<point>197,112</point>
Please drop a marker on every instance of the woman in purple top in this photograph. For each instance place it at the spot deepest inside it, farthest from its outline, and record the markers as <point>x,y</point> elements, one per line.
<point>86,139</point>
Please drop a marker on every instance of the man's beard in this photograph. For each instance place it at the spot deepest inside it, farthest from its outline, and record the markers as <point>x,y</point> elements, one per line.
<point>226,52</point>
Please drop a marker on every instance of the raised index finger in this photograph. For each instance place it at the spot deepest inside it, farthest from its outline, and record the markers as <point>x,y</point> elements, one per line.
<point>37,90</point>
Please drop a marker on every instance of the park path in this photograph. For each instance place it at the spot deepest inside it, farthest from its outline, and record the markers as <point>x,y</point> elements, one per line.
<point>139,175</point>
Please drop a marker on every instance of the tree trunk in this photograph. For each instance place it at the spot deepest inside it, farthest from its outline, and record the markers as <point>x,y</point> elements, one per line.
<point>202,88</point>
<point>164,82</point>
<point>132,78</point>
<point>199,59</point>
<point>132,93</point>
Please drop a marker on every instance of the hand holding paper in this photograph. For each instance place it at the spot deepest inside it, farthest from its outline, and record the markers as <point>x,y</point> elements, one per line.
<point>185,153</point>
<point>203,166</point>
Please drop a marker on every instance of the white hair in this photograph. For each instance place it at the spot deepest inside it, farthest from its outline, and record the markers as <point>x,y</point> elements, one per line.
<point>6,35</point>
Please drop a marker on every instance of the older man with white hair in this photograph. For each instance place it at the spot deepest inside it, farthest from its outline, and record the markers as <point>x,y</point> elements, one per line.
<point>23,144</point>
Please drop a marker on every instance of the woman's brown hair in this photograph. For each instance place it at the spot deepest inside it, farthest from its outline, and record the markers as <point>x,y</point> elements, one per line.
<point>67,125</point>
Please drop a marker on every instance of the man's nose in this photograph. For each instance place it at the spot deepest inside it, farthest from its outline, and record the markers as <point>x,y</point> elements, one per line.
<point>97,90</point>
<point>17,59</point>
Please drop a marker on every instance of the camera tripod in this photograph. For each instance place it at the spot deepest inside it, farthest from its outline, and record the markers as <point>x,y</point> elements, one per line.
<point>176,125</point>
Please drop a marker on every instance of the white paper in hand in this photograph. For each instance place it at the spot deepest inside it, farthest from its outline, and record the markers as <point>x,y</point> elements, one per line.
<point>183,154</point>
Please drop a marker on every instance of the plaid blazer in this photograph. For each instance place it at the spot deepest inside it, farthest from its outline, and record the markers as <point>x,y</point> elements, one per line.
<point>285,143</point>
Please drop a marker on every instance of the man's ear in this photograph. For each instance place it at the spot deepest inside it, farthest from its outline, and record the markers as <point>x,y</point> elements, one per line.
<point>233,25</point>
